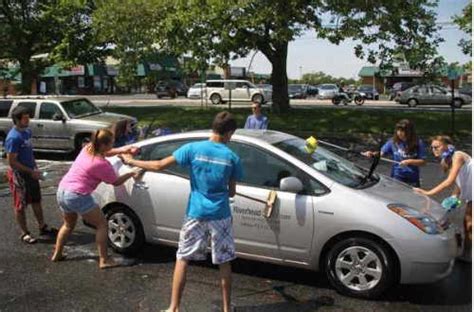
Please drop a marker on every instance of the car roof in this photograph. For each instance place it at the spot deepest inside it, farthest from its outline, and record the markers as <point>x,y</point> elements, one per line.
<point>48,98</point>
<point>264,136</point>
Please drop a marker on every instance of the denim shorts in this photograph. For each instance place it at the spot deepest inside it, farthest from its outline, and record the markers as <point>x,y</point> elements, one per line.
<point>71,202</point>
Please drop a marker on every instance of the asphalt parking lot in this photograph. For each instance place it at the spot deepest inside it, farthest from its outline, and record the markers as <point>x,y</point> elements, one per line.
<point>30,282</point>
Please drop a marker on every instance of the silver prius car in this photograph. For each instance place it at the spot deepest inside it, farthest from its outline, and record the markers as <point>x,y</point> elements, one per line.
<point>366,232</point>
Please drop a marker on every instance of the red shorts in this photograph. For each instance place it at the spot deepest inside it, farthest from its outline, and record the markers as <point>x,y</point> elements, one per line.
<point>25,190</point>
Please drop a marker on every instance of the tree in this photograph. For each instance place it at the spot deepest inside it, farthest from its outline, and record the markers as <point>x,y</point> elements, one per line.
<point>222,30</point>
<point>37,33</point>
<point>320,77</point>
<point>465,24</point>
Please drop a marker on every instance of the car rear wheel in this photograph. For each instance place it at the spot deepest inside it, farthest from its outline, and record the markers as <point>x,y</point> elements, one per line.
<point>257,98</point>
<point>412,102</point>
<point>360,267</point>
<point>125,231</point>
<point>458,103</point>
<point>216,99</point>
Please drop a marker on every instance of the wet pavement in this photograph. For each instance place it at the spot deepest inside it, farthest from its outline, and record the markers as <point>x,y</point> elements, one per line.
<point>30,282</point>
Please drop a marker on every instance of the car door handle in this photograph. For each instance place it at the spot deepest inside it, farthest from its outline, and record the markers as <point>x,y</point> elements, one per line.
<point>40,125</point>
<point>140,185</point>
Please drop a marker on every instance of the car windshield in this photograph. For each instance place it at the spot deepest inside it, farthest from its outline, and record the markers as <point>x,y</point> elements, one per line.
<point>80,108</point>
<point>295,88</point>
<point>199,85</point>
<point>325,162</point>
<point>327,87</point>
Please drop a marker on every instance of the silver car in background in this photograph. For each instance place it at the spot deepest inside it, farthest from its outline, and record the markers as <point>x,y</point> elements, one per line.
<point>366,233</point>
<point>432,95</point>
<point>327,91</point>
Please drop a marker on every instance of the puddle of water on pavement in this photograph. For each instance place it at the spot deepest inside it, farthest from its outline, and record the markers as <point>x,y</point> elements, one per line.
<point>55,169</point>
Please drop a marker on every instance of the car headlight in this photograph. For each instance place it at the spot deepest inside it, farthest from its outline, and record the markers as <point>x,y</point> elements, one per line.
<point>424,222</point>
<point>362,94</point>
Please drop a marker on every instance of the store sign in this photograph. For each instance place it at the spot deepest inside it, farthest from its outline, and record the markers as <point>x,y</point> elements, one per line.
<point>78,70</point>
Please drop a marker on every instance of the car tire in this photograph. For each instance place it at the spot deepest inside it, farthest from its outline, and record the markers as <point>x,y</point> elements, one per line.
<point>412,103</point>
<point>80,141</point>
<point>365,277</point>
<point>376,98</point>
<point>257,98</point>
<point>458,103</point>
<point>125,231</point>
<point>216,99</point>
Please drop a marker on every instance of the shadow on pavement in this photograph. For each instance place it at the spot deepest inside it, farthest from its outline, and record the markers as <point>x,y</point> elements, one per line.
<point>454,290</point>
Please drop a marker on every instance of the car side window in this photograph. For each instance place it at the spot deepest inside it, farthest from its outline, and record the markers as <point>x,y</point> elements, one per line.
<point>30,106</point>
<point>437,90</point>
<point>265,170</point>
<point>162,150</point>
<point>5,107</point>
<point>48,110</point>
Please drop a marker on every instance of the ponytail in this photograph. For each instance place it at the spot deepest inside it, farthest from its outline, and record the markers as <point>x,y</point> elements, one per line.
<point>99,138</point>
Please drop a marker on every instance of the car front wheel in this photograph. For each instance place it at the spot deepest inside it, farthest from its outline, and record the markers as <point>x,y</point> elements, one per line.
<point>458,103</point>
<point>125,231</point>
<point>360,267</point>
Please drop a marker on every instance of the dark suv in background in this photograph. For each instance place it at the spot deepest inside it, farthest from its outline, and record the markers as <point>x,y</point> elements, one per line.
<point>170,88</point>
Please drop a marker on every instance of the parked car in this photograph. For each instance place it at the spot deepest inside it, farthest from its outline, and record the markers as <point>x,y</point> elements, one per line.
<point>61,124</point>
<point>242,90</point>
<point>466,89</point>
<point>171,88</point>
<point>366,232</point>
<point>312,91</point>
<point>327,91</point>
<point>399,87</point>
<point>297,91</point>
<point>433,95</point>
<point>370,92</point>
<point>197,91</point>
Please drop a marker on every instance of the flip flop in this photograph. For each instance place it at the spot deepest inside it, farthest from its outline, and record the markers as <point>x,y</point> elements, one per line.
<point>46,230</point>
<point>28,239</point>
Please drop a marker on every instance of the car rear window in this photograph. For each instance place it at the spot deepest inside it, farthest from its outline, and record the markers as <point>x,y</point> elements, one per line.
<point>5,106</point>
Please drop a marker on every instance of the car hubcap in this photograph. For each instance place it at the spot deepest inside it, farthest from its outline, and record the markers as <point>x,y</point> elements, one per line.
<point>358,268</point>
<point>121,230</point>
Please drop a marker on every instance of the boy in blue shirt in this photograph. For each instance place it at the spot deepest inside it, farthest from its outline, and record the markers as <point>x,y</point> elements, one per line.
<point>257,120</point>
<point>214,170</point>
<point>23,175</point>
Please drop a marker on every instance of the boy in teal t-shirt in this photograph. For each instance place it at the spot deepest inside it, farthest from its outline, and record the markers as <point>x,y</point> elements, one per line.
<point>214,170</point>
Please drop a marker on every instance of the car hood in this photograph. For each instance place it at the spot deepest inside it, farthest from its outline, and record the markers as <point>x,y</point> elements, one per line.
<point>392,191</point>
<point>107,117</point>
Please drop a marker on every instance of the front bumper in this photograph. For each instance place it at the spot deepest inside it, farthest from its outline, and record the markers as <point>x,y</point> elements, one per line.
<point>428,259</point>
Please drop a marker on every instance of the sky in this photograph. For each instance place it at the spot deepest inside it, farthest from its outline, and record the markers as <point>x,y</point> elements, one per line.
<point>308,54</point>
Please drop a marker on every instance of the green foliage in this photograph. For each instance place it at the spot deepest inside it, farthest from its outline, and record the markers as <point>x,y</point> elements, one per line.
<point>465,24</point>
<point>58,29</point>
<point>320,77</point>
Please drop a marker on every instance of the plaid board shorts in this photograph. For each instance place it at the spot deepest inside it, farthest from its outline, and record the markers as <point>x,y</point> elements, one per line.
<point>194,240</point>
<point>25,190</point>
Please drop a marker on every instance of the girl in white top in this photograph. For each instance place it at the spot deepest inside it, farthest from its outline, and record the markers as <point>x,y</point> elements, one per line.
<point>457,165</point>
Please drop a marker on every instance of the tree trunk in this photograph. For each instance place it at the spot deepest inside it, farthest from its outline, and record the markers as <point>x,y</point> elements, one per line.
<point>279,80</point>
<point>28,75</point>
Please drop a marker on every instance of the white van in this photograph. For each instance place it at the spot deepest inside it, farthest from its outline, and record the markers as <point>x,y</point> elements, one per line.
<point>242,90</point>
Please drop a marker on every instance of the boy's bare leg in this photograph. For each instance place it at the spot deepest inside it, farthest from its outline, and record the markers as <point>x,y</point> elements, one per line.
<point>225,272</point>
<point>179,281</point>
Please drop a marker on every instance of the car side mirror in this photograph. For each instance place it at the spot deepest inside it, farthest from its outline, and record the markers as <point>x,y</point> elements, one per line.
<point>57,117</point>
<point>291,184</point>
